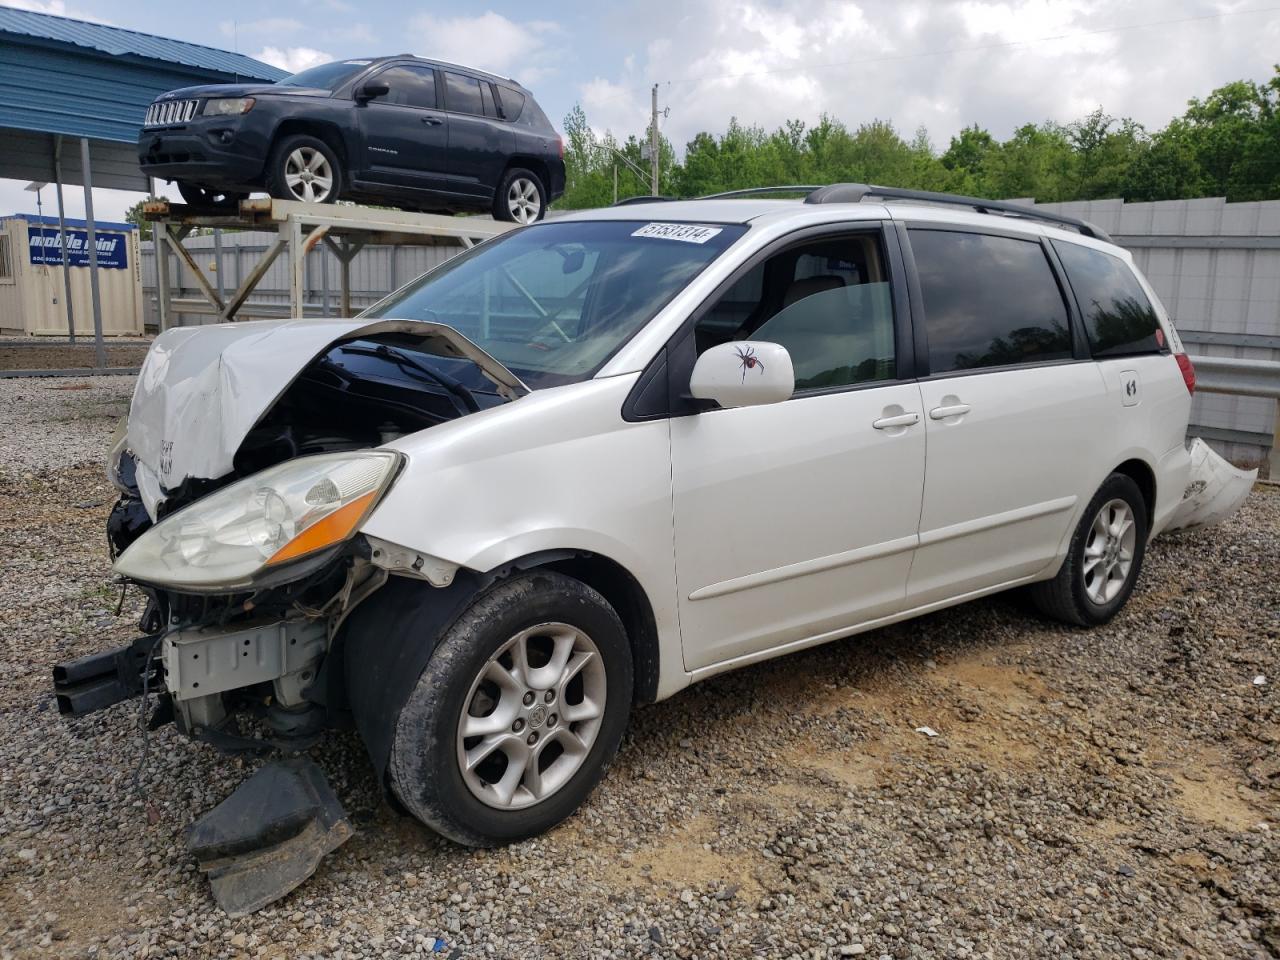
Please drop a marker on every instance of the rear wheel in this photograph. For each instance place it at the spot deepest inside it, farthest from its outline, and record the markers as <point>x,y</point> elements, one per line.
<point>305,168</point>
<point>1103,560</point>
<point>208,198</point>
<point>518,712</point>
<point>520,197</point>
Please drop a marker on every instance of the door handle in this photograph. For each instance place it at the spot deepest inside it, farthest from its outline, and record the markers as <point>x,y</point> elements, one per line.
<point>432,121</point>
<point>951,410</point>
<point>901,420</point>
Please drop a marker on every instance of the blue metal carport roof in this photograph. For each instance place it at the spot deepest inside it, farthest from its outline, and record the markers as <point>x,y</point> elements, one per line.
<point>64,76</point>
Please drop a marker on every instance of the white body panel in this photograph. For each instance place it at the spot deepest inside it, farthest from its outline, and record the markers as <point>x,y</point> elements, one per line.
<point>793,519</point>
<point>1007,477</point>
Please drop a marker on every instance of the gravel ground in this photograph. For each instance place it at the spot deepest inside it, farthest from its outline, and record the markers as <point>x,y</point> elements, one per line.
<point>1105,793</point>
<point>24,354</point>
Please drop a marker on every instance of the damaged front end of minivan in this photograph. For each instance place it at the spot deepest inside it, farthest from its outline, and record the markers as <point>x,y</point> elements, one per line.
<point>252,456</point>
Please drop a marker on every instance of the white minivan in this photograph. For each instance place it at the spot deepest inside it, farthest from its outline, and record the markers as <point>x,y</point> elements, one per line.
<point>595,460</point>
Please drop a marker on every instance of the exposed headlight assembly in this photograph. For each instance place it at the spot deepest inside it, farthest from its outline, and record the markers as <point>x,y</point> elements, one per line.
<point>119,441</point>
<point>287,512</point>
<point>227,106</point>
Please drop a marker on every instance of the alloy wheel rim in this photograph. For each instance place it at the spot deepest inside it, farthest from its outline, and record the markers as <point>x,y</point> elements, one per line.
<point>531,717</point>
<point>1109,551</point>
<point>523,201</point>
<point>308,175</point>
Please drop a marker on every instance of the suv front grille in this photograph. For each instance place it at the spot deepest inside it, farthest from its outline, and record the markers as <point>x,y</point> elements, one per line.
<point>164,112</point>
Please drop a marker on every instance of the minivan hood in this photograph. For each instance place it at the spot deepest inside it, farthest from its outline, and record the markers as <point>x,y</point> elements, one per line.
<point>202,389</point>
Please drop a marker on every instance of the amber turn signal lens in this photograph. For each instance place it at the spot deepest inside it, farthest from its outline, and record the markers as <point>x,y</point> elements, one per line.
<point>326,531</point>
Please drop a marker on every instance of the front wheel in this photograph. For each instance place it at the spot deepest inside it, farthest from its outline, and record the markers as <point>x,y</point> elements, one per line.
<point>520,197</point>
<point>517,714</point>
<point>302,167</point>
<point>1103,560</point>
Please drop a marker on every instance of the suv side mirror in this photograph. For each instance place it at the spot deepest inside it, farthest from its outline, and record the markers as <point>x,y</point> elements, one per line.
<point>372,90</point>
<point>743,373</point>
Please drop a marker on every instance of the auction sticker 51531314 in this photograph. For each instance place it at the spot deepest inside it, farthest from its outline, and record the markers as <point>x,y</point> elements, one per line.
<point>687,232</point>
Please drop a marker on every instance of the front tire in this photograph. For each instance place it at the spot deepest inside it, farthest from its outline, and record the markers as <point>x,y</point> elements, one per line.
<point>1103,560</point>
<point>521,198</point>
<point>517,714</point>
<point>304,168</point>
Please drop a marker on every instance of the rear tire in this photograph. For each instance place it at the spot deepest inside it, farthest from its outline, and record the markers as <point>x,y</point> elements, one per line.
<point>1103,560</point>
<point>304,168</point>
<point>517,713</point>
<point>209,199</point>
<point>521,197</point>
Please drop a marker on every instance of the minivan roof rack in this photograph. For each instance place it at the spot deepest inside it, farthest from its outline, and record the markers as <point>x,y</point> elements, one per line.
<point>627,201</point>
<point>762,191</point>
<point>856,192</point>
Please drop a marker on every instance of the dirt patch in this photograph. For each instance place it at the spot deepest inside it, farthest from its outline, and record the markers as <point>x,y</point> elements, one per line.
<point>68,357</point>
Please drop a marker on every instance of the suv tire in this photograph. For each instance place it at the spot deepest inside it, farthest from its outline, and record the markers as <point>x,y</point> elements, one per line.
<point>1103,561</point>
<point>539,668</point>
<point>304,168</point>
<point>521,197</point>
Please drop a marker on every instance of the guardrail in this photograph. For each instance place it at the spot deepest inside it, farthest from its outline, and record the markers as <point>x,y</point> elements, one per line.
<point>1246,378</point>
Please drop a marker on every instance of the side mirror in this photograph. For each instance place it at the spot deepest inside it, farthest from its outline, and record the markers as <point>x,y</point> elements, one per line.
<point>372,90</point>
<point>743,373</point>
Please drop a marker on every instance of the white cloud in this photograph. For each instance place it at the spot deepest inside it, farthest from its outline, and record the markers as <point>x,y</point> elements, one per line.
<point>526,50</point>
<point>999,63</point>
<point>292,59</point>
<point>56,7</point>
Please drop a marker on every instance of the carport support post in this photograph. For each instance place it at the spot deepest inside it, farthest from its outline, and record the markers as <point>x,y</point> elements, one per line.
<point>95,294</point>
<point>297,267</point>
<point>62,240</point>
<point>160,243</point>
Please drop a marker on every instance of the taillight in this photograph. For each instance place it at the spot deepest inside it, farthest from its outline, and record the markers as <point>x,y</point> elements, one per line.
<point>1188,372</point>
<point>560,141</point>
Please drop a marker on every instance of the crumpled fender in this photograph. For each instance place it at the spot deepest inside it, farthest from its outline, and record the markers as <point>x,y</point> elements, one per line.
<point>1215,490</point>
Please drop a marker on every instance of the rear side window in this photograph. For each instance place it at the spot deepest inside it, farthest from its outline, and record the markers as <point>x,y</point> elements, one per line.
<point>464,94</point>
<point>409,86</point>
<point>1118,317</point>
<point>988,301</point>
<point>486,94</point>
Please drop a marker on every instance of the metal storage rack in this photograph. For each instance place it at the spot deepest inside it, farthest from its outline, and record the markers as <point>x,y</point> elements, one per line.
<point>299,228</point>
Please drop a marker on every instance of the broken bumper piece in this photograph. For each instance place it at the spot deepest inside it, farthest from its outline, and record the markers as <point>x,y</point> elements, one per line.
<point>269,836</point>
<point>1215,490</point>
<point>103,679</point>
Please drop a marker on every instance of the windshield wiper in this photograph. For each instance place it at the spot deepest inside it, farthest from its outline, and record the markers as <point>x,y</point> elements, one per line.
<point>455,387</point>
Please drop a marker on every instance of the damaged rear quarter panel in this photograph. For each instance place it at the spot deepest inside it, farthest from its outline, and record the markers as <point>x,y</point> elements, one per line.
<point>559,469</point>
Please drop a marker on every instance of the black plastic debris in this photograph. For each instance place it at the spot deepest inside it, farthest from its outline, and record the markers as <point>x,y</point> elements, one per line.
<point>269,836</point>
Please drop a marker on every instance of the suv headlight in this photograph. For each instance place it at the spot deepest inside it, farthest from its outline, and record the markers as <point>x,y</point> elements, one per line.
<point>284,513</point>
<point>227,107</point>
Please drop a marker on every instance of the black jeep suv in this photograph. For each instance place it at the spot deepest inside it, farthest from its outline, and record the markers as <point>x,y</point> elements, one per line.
<point>399,131</point>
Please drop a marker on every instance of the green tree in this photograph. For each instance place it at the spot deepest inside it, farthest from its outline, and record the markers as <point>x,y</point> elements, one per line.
<point>134,215</point>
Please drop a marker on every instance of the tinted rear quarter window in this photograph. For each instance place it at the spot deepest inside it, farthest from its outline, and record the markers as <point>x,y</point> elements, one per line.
<point>1118,317</point>
<point>988,301</point>
<point>512,102</point>
<point>464,94</point>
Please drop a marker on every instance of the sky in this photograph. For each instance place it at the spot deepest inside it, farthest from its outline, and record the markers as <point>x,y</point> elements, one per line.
<point>940,65</point>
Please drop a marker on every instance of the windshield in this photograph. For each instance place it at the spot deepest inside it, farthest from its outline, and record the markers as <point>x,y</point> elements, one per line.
<point>327,76</point>
<point>553,302</point>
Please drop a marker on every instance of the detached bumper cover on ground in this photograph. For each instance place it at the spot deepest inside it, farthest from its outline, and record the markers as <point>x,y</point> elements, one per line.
<point>269,836</point>
<point>1215,490</point>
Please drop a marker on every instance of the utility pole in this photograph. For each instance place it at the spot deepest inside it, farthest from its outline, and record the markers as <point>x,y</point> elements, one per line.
<point>653,145</point>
